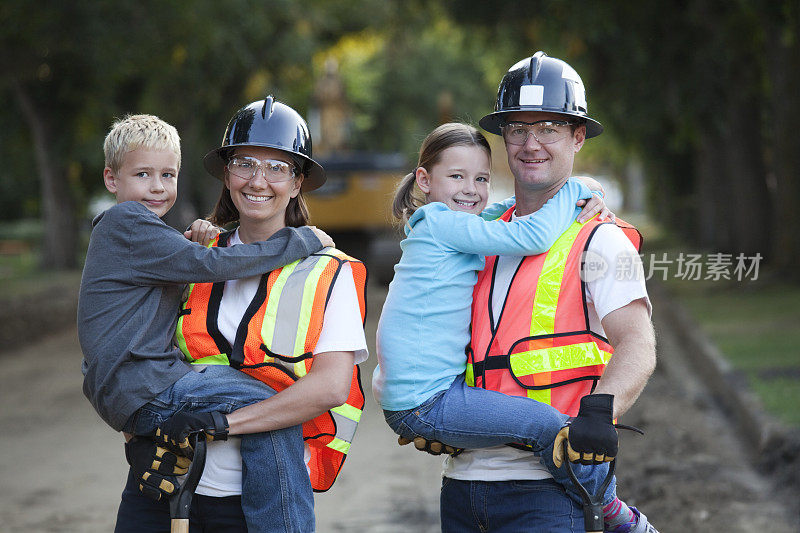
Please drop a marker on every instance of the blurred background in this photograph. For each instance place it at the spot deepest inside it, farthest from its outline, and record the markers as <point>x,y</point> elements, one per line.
<point>700,101</point>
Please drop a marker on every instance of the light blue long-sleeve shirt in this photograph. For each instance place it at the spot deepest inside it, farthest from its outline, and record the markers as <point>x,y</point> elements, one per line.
<point>424,325</point>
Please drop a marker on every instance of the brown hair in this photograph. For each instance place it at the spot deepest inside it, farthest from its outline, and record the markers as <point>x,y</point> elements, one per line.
<point>225,211</point>
<point>408,198</point>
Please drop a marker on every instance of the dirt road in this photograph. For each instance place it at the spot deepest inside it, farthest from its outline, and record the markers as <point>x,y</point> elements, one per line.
<point>63,469</point>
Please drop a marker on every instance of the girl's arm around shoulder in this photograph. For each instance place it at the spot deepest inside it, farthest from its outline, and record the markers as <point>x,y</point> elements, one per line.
<point>528,235</point>
<point>498,209</point>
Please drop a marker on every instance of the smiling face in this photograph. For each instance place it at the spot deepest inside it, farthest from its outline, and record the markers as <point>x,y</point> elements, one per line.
<point>459,179</point>
<point>261,204</point>
<point>149,177</point>
<point>543,167</point>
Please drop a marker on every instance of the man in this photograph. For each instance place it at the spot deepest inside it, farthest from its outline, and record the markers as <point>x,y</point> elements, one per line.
<point>543,328</point>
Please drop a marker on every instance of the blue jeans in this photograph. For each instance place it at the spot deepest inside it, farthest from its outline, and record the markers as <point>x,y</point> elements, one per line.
<point>508,507</point>
<point>276,489</point>
<point>472,417</point>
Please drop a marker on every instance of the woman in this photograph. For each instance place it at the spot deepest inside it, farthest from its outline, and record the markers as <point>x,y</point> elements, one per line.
<point>273,327</point>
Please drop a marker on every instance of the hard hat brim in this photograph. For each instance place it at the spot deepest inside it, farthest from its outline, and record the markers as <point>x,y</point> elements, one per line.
<point>314,176</point>
<point>493,122</point>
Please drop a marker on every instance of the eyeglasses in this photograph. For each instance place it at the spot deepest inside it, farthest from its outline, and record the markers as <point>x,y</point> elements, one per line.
<point>544,131</point>
<point>274,170</point>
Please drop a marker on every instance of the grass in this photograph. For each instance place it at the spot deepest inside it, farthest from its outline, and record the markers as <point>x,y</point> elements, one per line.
<point>756,325</point>
<point>20,275</point>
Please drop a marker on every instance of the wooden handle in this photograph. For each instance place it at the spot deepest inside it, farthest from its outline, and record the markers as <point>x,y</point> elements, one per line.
<point>179,525</point>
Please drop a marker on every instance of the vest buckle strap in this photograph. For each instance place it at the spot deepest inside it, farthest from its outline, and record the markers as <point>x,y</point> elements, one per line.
<point>285,358</point>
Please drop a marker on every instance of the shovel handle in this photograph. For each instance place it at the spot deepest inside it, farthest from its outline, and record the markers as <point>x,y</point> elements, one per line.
<point>180,503</point>
<point>592,503</point>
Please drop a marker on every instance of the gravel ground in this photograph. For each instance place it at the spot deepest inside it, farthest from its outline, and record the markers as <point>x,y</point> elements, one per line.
<point>63,470</point>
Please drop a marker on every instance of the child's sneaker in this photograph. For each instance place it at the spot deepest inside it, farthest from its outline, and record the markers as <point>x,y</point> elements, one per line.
<point>641,526</point>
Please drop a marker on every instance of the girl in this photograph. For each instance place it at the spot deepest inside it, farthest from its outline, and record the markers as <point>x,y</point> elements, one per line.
<point>424,325</point>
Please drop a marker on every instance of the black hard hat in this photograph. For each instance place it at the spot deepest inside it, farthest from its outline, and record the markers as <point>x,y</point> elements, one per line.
<point>541,83</point>
<point>271,124</point>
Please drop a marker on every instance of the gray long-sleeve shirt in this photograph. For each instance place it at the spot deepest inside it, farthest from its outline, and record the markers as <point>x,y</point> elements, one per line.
<point>130,296</point>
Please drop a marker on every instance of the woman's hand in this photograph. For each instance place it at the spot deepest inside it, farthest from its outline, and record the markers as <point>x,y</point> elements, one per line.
<point>201,231</point>
<point>593,207</point>
<point>323,237</point>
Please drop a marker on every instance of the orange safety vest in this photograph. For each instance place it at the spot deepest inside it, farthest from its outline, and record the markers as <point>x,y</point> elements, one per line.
<point>543,346</point>
<point>278,347</point>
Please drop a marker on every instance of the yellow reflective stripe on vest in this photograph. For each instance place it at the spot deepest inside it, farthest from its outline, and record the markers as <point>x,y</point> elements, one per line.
<point>306,308</point>
<point>218,359</point>
<point>289,308</point>
<point>548,285</point>
<point>346,418</point>
<point>348,411</point>
<point>557,358</point>
<point>271,309</point>
<point>179,338</point>
<point>339,445</point>
<point>469,377</point>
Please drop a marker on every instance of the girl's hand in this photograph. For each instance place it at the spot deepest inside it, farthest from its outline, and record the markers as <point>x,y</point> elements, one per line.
<point>592,207</point>
<point>592,184</point>
<point>201,231</point>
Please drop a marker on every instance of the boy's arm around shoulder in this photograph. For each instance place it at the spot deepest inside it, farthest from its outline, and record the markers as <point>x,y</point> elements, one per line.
<point>158,254</point>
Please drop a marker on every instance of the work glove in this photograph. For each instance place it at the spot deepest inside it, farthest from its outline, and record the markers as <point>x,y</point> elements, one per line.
<point>591,436</point>
<point>174,433</point>
<point>433,447</point>
<point>155,468</point>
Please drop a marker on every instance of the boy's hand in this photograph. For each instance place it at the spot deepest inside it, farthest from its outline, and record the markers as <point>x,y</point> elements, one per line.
<point>201,231</point>
<point>174,432</point>
<point>323,237</point>
<point>155,468</point>
<point>592,207</point>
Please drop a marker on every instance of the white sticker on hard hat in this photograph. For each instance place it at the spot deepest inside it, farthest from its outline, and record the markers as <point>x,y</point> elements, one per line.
<point>531,95</point>
<point>569,74</point>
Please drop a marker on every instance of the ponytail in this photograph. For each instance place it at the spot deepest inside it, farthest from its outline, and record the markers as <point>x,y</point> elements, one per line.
<point>406,199</point>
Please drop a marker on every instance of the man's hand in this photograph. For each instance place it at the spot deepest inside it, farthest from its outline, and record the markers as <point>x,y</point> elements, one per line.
<point>591,436</point>
<point>174,432</point>
<point>323,237</point>
<point>155,468</point>
<point>433,447</point>
<point>201,231</point>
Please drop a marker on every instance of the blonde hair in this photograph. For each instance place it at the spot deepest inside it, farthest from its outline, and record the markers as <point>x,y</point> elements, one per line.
<point>139,131</point>
<point>408,198</point>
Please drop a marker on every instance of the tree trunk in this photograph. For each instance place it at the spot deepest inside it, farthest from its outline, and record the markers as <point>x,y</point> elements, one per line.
<point>60,239</point>
<point>783,60</point>
<point>746,172</point>
<point>714,211</point>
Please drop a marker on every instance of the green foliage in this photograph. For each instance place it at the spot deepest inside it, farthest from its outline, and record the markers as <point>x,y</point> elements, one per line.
<point>701,92</point>
<point>757,328</point>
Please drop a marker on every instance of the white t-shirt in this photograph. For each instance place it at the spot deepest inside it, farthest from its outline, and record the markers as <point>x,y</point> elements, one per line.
<point>616,280</point>
<point>342,331</point>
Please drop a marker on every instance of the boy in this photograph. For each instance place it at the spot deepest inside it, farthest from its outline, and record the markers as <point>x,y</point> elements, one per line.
<point>133,278</point>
